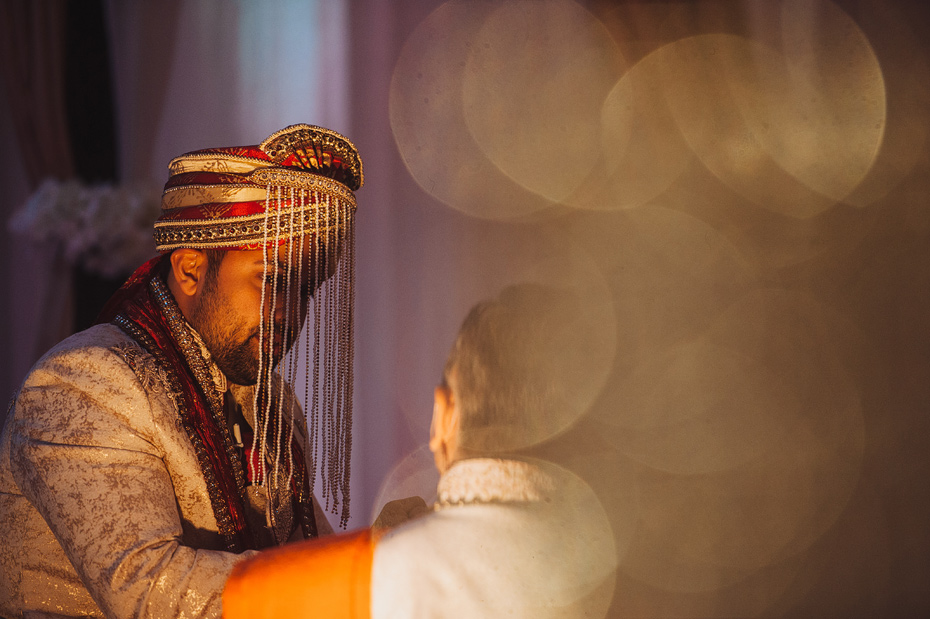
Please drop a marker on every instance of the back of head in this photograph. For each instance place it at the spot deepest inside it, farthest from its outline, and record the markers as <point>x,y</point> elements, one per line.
<point>515,368</point>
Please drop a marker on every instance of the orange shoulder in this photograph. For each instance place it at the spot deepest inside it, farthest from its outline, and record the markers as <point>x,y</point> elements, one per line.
<point>328,577</point>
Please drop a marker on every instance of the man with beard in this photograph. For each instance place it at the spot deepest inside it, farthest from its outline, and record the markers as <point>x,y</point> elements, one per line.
<point>145,456</point>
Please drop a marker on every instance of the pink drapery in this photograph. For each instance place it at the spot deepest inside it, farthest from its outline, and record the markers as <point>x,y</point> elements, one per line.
<point>36,311</point>
<point>32,65</point>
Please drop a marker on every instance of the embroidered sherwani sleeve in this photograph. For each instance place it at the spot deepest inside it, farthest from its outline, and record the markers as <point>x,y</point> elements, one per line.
<point>86,451</point>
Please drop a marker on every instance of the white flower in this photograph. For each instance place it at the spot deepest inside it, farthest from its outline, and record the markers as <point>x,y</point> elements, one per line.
<point>104,228</point>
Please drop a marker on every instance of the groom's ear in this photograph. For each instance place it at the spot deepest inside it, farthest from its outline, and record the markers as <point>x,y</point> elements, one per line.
<point>186,277</point>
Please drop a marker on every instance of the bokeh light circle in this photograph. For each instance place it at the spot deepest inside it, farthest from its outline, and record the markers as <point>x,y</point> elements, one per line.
<point>427,119</point>
<point>772,126</point>
<point>644,151</point>
<point>553,262</point>
<point>534,85</point>
<point>699,408</point>
<point>414,475</point>
<point>670,275</point>
<point>731,492</point>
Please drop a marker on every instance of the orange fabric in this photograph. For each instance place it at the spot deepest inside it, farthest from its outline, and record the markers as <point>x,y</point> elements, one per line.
<point>329,577</point>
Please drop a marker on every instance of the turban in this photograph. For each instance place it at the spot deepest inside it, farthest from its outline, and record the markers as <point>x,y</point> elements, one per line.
<point>299,179</point>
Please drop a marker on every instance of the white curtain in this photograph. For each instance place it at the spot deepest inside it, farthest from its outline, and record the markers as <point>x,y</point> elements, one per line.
<point>192,75</point>
<point>36,284</point>
<point>35,280</point>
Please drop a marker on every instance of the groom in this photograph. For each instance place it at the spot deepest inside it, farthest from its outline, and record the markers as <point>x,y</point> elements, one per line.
<point>147,455</point>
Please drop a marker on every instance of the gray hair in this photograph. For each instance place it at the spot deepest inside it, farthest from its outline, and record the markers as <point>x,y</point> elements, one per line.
<point>511,367</point>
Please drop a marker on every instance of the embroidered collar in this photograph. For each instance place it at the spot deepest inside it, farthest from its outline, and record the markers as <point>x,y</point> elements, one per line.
<point>192,347</point>
<point>487,480</point>
<point>219,379</point>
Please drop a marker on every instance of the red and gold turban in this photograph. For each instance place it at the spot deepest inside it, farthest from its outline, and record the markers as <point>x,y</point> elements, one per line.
<point>300,179</point>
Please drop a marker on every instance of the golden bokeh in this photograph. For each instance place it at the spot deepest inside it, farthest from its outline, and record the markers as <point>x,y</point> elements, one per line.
<point>754,210</point>
<point>535,81</point>
<point>550,259</point>
<point>427,119</point>
<point>906,75</point>
<point>749,441</point>
<point>643,150</point>
<point>756,120</point>
<point>698,408</point>
<point>670,274</point>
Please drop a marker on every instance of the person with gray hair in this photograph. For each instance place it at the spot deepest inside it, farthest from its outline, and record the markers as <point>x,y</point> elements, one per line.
<point>508,536</point>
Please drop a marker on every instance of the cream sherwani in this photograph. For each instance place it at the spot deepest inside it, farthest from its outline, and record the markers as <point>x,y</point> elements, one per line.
<point>103,507</point>
<point>507,539</point>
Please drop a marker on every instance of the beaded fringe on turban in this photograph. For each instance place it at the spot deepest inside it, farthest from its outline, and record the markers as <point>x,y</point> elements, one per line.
<point>292,193</point>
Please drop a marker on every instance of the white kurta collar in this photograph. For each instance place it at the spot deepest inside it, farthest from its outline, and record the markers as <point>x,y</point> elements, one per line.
<point>488,480</point>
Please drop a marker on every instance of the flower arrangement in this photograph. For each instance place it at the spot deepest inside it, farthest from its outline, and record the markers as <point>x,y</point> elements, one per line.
<point>105,229</point>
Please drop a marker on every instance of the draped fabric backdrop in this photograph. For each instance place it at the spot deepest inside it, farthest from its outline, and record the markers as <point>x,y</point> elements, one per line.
<point>740,188</point>
<point>35,280</point>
